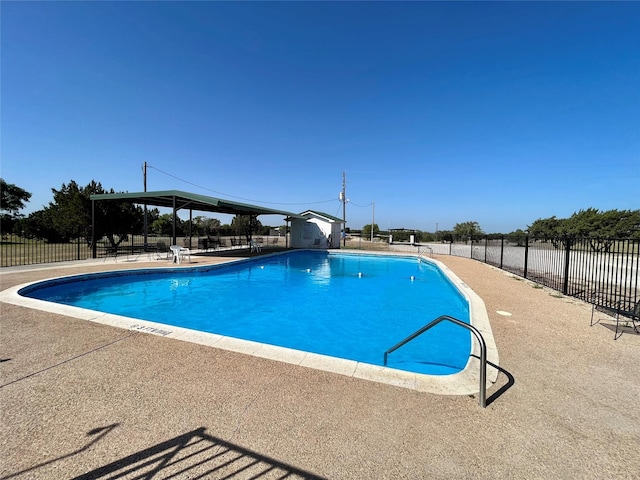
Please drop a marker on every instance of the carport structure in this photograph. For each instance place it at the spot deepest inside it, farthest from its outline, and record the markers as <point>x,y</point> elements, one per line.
<point>178,200</point>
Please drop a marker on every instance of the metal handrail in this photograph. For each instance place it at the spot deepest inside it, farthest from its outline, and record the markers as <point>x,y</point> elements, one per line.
<point>420,254</point>
<point>474,330</point>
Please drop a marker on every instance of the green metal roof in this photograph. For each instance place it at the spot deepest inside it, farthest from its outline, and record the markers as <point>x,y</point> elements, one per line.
<point>185,200</point>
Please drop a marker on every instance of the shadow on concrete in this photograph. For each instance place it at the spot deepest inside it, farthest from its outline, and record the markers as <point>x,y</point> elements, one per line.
<point>509,383</point>
<point>192,455</point>
<point>623,328</point>
<point>197,454</point>
<point>99,434</point>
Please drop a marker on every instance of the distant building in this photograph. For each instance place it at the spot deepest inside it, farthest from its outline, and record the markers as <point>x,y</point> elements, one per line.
<point>316,230</point>
<point>402,234</point>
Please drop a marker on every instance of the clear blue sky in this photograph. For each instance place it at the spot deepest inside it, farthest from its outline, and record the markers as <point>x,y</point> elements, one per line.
<point>440,113</point>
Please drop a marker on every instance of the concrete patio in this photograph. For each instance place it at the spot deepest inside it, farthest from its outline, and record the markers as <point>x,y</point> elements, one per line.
<point>84,400</point>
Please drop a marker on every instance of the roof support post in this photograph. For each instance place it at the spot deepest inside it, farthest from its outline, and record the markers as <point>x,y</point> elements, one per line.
<point>94,247</point>
<point>173,241</point>
<point>190,226</point>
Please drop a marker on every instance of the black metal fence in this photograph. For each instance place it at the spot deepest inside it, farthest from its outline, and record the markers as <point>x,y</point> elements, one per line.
<point>18,251</point>
<point>608,268</point>
<point>605,272</point>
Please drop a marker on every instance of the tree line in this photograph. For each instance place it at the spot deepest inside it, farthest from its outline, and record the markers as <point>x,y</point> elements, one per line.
<point>601,227</point>
<point>68,216</point>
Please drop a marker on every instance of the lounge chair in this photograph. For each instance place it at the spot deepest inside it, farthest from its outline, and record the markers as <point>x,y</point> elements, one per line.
<point>162,249</point>
<point>624,314</point>
<point>212,243</point>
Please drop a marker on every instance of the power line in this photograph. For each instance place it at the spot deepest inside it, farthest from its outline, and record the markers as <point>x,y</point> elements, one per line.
<point>234,196</point>
<point>361,206</point>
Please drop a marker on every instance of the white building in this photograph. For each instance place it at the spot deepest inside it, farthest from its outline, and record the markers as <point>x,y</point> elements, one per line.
<point>315,230</point>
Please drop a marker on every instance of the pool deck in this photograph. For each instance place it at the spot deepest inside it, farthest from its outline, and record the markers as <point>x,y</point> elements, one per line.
<point>84,400</point>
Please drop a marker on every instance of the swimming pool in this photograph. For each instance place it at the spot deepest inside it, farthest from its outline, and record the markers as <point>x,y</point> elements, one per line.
<point>462,383</point>
<point>347,306</point>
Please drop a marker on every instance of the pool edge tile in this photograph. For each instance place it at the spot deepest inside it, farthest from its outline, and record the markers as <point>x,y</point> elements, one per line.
<point>388,376</point>
<point>329,364</point>
<point>280,354</point>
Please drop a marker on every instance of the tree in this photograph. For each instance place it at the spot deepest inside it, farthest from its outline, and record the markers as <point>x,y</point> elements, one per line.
<point>283,230</point>
<point>467,230</point>
<point>152,215</point>
<point>518,237</point>
<point>39,224</point>
<point>426,236</point>
<point>114,220</point>
<point>601,228</point>
<point>366,230</point>
<point>444,236</point>
<point>545,229</point>
<point>245,225</point>
<point>12,200</point>
<point>205,226</point>
<point>163,225</point>
<point>69,216</point>
<point>598,224</point>
<point>71,211</point>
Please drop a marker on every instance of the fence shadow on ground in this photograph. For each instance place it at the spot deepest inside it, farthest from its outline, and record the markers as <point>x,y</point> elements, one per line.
<point>97,434</point>
<point>196,454</point>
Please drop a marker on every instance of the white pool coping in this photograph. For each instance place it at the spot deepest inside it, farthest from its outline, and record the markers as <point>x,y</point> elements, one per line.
<point>465,382</point>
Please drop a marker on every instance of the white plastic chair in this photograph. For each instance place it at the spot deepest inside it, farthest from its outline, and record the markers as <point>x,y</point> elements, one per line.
<point>255,246</point>
<point>179,253</point>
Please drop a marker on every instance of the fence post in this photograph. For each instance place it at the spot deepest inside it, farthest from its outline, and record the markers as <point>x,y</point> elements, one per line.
<point>526,256</point>
<point>565,284</point>
<point>78,247</point>
<point>501,250</point>
<point>486,241</point>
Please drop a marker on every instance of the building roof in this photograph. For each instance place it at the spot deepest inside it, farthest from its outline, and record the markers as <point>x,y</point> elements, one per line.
<point>323,215</point>
<point>185,200</point>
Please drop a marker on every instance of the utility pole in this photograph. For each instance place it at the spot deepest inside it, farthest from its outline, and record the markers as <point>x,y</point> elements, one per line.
<point>373,218</point>
<point>145,226</point>
<point>343,198</point>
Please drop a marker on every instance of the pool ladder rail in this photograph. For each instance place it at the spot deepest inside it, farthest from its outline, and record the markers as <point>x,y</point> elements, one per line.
<point>474,330</point>
<point>421,254</point>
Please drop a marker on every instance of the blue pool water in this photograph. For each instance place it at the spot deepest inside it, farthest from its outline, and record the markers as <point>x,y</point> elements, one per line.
<point>347,306</point>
